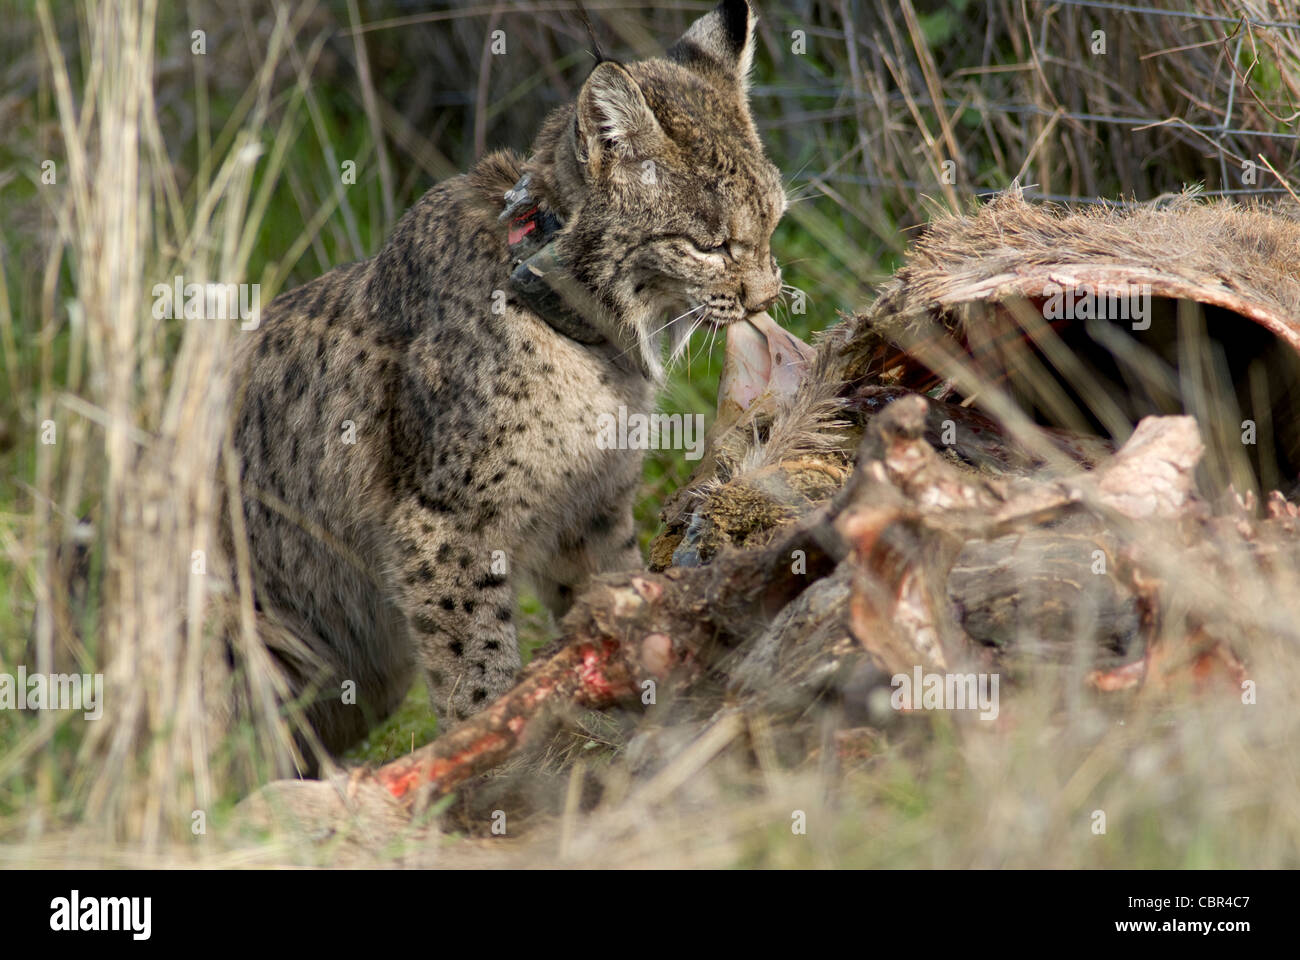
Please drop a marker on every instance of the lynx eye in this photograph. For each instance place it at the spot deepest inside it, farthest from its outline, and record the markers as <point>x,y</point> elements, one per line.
<point>723,248</point>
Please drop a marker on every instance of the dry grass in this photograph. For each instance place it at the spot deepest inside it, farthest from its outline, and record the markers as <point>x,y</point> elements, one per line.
<point>224,168</point>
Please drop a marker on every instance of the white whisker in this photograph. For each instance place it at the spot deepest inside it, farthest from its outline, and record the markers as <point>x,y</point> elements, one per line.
<point>675,319</point>
<point>712,336</point>
<point>684,345</point>
<point>655,333</point>
<point>679,339</point>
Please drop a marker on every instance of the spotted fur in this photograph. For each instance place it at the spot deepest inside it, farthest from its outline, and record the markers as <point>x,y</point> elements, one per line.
<point>473,458</point>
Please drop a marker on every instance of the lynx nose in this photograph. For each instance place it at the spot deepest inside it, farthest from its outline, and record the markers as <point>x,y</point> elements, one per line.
<point>760,292</point>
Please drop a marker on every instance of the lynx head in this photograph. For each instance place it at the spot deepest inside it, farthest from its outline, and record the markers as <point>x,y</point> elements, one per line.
<point>667,198</point>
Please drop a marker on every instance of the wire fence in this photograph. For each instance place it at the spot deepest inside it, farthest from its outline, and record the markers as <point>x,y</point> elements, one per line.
<point>878,111</point>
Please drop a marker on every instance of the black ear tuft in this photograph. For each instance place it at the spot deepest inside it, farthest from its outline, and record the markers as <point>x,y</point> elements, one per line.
<point>722,39</point>
<point>735,16</point>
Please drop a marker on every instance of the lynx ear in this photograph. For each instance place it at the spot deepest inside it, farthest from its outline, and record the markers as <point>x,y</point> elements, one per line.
<point>613,116</point>
<point>724,37</point>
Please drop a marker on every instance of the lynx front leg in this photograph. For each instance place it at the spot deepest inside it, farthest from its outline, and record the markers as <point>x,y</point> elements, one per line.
<point>605,543</point>
<point>458,598</point>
